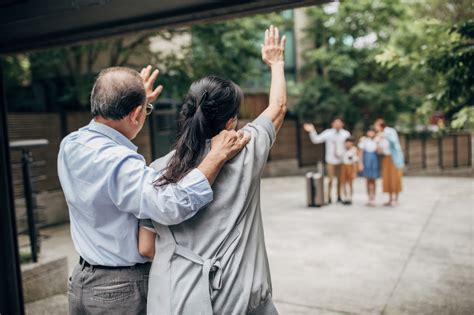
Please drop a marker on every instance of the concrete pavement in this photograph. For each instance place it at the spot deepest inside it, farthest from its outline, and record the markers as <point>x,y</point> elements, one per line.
<point>416,258</point>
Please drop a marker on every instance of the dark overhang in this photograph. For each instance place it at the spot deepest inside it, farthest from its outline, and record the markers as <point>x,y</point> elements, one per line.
<point>32,24</point>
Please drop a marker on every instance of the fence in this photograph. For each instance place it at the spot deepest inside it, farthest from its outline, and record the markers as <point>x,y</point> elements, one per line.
<point>51,206</point>
<point>155,140</point>
<point>450,151</point>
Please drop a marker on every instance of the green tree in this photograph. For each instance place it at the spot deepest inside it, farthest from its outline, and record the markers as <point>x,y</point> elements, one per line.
<point>52,78</point>
<point>229,49</point>
<point>341,77</point>
<point>454,65</point>
<point>432,51</point>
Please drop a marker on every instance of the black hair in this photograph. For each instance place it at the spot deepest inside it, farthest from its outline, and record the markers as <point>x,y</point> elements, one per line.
<point>116,92</point>
<point>380,121</point>
<point>337,118</point>
<point>350,139</point>
<point>208,106</point>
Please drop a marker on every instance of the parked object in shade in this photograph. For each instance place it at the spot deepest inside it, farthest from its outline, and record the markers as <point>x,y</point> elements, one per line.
<point>314,189</point>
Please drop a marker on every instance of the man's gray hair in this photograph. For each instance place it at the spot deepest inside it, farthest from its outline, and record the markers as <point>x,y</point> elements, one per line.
<point>116,92</point>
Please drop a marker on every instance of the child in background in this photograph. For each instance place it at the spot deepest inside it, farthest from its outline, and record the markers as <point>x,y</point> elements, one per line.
<point>348,170</point>
<point>369,165</point>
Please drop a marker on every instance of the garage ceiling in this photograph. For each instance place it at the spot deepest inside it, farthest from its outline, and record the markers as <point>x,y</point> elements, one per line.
<point>31,24</point>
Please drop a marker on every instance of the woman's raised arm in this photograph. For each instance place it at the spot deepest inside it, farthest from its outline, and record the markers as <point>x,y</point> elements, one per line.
<point>273,55</point>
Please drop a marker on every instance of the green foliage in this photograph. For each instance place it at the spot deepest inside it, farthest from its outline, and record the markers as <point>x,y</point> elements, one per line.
<point>454,63</point>
<point>230,49</point>
<point>464,118</point>
<point>341,77</point>
<point>431,54</point>
<point>47,79</point>
<point>383,58</point>
<point>64,76</point>
<point>395,59</point>
<point>17,78</point>
<point>226,49</point>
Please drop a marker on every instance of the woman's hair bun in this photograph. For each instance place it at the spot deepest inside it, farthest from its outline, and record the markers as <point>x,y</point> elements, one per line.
<point>189,108</point>
<point>210,109</point>
<point>208,106</point>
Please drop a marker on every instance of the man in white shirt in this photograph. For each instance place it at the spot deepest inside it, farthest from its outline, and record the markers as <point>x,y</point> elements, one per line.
<point>334,139</point>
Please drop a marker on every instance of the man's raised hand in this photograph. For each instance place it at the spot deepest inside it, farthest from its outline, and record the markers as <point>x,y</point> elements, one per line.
<point>308,127</point>
<point>273,47</point>
<point>149,79</point>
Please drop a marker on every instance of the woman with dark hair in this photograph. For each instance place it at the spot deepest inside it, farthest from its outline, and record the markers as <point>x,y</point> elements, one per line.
<point>392,161</point>
<point>216,262</point>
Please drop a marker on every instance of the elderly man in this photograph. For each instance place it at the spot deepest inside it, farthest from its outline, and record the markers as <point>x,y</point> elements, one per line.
<point>108,187</point>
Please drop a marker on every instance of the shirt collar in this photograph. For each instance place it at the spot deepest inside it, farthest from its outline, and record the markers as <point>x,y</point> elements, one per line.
<point>112,134</point>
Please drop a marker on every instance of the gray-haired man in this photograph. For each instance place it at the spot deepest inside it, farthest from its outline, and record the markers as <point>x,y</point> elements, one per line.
<point>108,186</point>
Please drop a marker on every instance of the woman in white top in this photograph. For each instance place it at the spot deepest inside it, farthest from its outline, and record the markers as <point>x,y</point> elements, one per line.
<point>392,161</point>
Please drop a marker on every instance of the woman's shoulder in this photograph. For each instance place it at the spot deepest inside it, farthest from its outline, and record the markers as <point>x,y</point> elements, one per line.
<point>260,128</point>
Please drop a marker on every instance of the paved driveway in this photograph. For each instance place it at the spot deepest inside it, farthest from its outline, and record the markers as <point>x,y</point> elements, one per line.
<point>416,258</point>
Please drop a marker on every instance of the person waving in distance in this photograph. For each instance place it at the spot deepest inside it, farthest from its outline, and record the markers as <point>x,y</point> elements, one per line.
<point>216,262</point>
<point>334,140</point>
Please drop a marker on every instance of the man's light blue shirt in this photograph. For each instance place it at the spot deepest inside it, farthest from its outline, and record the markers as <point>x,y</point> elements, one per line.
<point>108,187</point>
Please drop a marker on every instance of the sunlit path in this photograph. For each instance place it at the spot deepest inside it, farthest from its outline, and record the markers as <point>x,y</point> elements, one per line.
<point>416,258</point>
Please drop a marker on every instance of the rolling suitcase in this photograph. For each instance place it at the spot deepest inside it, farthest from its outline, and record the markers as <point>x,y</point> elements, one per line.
<point>314,189</point>
<point>309,189</point>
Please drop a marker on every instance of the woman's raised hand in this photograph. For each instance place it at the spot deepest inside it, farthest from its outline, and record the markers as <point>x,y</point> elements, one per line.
<point>274,47</point>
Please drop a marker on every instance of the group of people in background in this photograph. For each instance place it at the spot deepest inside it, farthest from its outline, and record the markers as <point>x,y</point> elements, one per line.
<point>378,154</point>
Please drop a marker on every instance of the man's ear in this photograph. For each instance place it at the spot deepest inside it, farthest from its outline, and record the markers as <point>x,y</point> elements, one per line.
<point>135,114</point>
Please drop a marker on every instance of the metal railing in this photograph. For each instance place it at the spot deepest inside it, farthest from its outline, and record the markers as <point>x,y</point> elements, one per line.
<point>25,147</point>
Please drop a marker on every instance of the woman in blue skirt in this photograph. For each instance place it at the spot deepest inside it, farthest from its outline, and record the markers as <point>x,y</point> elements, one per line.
<point>369,163</point>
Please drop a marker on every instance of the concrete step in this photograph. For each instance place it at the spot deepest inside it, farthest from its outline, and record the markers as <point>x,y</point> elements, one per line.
<point>53,305</point>
<point>47,277</point>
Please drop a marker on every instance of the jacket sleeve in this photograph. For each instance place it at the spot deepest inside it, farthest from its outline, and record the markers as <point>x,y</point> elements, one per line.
<point>132,189</point>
